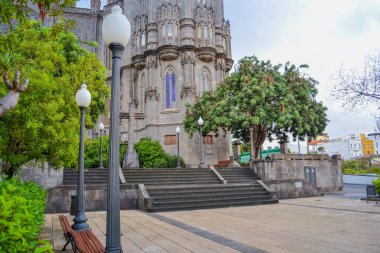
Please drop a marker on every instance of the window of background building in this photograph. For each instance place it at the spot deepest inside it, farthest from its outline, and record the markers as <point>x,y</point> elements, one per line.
<point>208,139</point>
<point>170,139</point>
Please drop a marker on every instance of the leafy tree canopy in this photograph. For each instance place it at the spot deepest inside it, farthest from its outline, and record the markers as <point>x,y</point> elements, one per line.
<point>261,97</point>
<point>44,126</point>
<point>18,10</point>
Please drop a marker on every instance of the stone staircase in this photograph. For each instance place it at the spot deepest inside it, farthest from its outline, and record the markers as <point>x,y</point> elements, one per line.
<point>91,176</point>
<point>185,189</point>
<point>238,175</point>
<point>170,176</point>
<point>187,197</point>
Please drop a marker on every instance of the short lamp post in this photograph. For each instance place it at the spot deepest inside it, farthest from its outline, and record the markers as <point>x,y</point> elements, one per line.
<point>83,99</point>
<point>178,130</point>
<point>101,128</point>
<point>200,124</point>
<point>116,32</point>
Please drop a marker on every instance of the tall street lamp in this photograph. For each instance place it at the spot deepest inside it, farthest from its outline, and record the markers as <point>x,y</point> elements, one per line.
<point>200,124</point>
<point>116,32</point>
<point>101,128</point>
<point>83,99</point>
<point>178,130</point>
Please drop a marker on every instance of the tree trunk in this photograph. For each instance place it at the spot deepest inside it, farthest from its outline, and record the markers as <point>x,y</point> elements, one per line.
<point>9,101</point>
<point>258,136</point>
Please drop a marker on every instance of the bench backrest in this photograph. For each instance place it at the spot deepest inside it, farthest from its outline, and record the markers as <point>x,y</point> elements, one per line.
<point>65,224</point>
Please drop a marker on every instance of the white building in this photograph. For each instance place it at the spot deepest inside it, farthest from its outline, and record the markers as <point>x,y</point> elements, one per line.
<point>349,147</point>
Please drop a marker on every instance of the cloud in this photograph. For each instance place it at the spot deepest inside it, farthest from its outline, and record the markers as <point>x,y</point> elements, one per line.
<point>362,18</point>
<point>325,34</point>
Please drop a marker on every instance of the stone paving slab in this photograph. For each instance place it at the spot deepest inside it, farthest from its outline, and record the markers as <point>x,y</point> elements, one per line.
<point>141,233</point>
<point>298,225</point>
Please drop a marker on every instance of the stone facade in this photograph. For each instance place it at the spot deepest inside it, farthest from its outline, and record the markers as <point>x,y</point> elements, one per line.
<point>178,49</point>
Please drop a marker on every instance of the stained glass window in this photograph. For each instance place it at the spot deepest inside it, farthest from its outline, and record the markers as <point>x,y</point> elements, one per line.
<point>173,87</point>
<point>167,90</point>
<point>170,88</point>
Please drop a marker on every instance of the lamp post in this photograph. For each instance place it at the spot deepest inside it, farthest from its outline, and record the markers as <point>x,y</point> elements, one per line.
<point>178,130</point>
<point>200,124</point>
<point>116,31</point>
<point>101,128</point>
<point>83,99</point>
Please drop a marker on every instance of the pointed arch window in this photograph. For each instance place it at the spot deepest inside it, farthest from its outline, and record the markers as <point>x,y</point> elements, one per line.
<point>206,79</point>
<point>143,39</point>
<point>170,30</point>
<point>170,88</point>
<point>205,31</point>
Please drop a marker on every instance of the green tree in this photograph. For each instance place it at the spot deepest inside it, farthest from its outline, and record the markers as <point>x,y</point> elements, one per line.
<point>44,126</point>
<point>92,152</point>
<point>260,97</point>
<point>16,12</point>
<point>12,11</point>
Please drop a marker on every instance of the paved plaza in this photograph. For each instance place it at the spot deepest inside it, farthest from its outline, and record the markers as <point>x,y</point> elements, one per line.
<point>320,224</point>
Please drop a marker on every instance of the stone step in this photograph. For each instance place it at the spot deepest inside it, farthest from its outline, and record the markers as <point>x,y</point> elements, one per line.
<point>206,190</point>
<point>208,196</point>
<point>170,170</point>
<point>172,182</point>
<point>211,205</point>
<point>168,176</point>
<point>213,199</point>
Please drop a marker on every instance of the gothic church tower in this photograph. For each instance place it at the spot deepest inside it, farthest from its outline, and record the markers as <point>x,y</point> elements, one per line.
<point>178,49</point>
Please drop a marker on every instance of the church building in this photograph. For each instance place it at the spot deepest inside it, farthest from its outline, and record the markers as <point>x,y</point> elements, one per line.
<point>177,50</point>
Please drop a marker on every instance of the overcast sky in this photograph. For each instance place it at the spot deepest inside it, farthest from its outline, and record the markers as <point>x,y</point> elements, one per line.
<point>325,34</point>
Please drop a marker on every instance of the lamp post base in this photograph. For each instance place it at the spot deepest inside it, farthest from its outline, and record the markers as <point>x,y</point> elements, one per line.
<point>113,250</point>
<point>80,222</point>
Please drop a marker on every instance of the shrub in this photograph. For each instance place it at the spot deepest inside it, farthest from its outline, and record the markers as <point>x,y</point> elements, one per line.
<point>172,161</point>
<point>377,185</point>
<point>22,208</point>
<point>355,171</point>
<point>92,152</point>
<point>354,165</point>
<point>375,170</point>
<point>151,154</point>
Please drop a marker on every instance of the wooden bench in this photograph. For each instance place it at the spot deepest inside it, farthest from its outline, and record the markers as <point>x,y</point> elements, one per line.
<point>83,241</point>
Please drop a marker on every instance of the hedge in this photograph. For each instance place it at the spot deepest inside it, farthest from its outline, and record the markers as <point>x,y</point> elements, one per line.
<point>22,208</point>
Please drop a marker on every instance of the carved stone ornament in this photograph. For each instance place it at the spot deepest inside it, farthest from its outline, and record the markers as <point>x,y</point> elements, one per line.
<point>188,90</point>
<point>152,93</point>
<point>136,102</point>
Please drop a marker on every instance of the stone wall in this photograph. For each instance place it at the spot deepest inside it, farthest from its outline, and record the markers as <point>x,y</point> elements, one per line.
<point>46,176</point>
<point>292,167</point>
<point>291,188</point>
<point>59,198</point>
